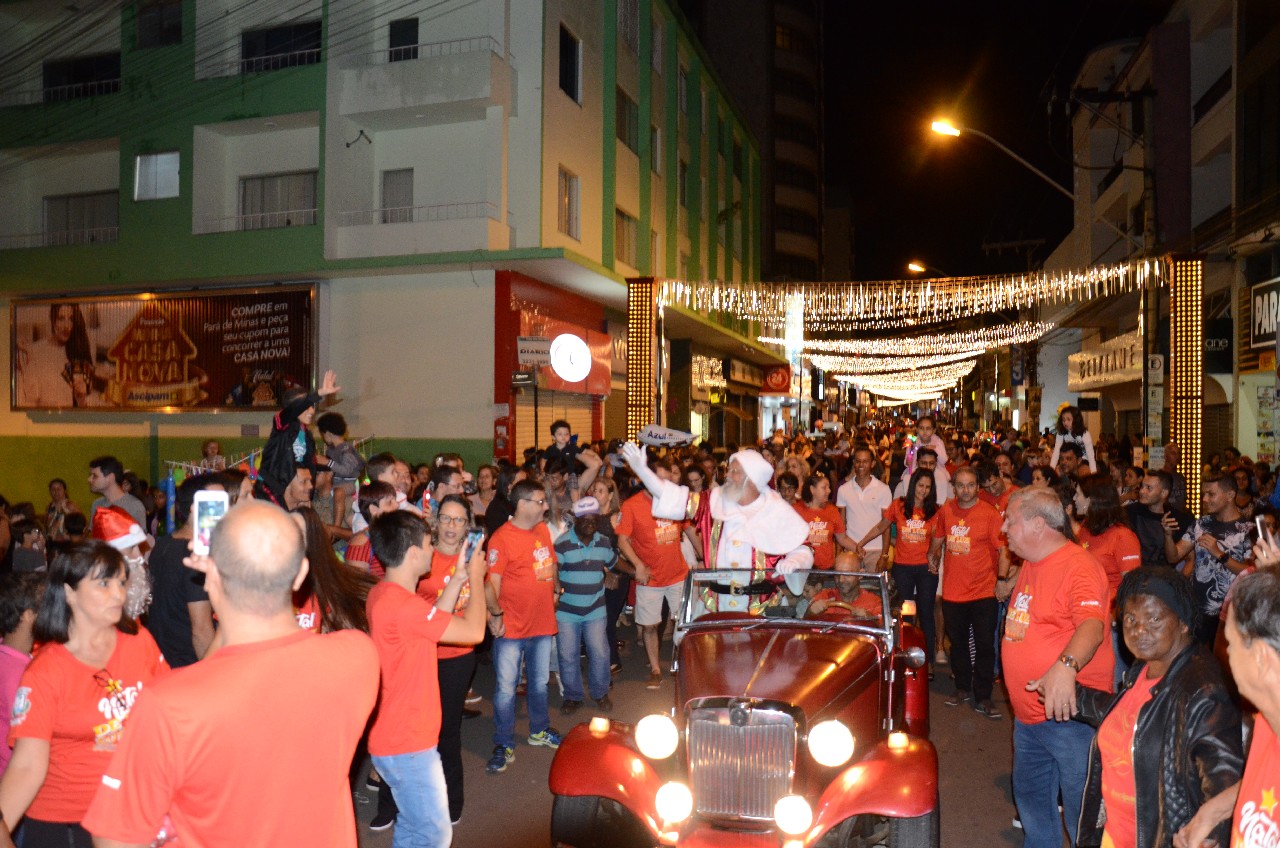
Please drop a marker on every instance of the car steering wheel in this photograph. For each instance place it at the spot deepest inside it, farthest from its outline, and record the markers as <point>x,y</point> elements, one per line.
<point>852,612</point>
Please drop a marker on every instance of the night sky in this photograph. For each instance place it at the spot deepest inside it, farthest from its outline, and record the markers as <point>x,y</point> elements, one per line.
<point>1004,67</point>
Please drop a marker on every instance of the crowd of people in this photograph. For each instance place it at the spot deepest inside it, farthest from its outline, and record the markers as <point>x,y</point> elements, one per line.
<point>1139,645</point>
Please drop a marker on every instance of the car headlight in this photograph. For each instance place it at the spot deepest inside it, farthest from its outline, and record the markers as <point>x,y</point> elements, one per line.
<point>830,743</point>
<point>793,814</point>
<point>674,802</point>
<point>657,736</point>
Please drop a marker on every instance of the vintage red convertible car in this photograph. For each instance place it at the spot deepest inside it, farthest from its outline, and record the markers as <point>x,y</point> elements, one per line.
<point>789,730</point>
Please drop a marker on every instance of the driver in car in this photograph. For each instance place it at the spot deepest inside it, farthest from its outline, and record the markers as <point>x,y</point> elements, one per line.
<point>848,593</point>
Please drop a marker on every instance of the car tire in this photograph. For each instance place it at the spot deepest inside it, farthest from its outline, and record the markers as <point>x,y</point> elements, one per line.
<point>589,821</point>
<point>918,832</point>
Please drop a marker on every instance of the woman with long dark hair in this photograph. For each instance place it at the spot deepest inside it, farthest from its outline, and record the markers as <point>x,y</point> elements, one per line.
<point>58,370</point>
<point>1071,430</point>
<point>915,577</point>
<point>74,696</point>
<point>332,595</point>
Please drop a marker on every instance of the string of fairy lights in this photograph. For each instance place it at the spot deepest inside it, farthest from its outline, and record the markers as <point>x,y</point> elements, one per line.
<point>889,303</point>
<point>962,343</point>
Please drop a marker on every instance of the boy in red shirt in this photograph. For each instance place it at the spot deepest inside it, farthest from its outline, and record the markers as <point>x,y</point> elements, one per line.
<point>406,630</point>
<point>522,609</point>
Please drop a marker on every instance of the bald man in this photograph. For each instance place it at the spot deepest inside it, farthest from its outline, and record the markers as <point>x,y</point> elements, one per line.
<point>251,745</point>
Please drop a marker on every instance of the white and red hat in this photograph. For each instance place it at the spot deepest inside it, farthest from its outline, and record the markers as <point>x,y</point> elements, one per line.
<point>116,527</point>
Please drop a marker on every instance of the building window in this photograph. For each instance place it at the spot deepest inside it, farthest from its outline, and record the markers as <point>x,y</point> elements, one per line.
<point>83,76</point>
<point>787,219</point>
<point>402,40</point>
<point>794,85</point>
<point>787,266</point>
<point>159,23</point>
<point>567,204</point>
<point>683,269</point>
<point>682,183</point>
<point>791,40</point>
<point>682,90</point>
<point>796,176</point>
<point>397,196</point>
<point>655,149</point>
<point>655,253</point>
<point>629,24</point>
<point>722,137</point>
<point>737,160</point>
<point>624,238</point>
<point>570,65</point>
<point>628,115</point>
<point>657,56</point>
<point>82,218</point>
<point>278,200</point>
<point>288,46</point>
<point>155,175</point>
<point>796,132</point>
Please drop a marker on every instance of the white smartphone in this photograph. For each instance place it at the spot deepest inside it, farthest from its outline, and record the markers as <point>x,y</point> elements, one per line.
<point>1263,532</point>
<point>209,508</point>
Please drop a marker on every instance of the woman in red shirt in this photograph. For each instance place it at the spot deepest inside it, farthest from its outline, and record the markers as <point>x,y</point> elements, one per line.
<point>913,575</point>
<point>374,499</point>
<point>333,594</point>
<point>1103,530</point>
<point>826,524</point>
<point>75,696</point>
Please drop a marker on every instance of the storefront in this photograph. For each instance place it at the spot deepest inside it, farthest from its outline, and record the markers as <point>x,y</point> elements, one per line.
<point>1259,314</point>
<point>1108,379</point>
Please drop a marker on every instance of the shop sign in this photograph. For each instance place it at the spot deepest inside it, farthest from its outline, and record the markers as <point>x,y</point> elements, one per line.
<point>533,350</point>
<point>617,347</point>
<point>742,372</point>
<point>1117,360</point>
<point>581,342</point>
<point>1265,300</point>
<point>163,352</point>
<point>1218,353</point>
<point>777,381</point>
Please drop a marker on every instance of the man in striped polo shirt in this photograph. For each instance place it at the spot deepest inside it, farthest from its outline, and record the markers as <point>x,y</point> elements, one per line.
<point>584,555</point>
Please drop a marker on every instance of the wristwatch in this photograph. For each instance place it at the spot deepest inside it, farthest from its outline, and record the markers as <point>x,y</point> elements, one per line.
<point>1070,662</point>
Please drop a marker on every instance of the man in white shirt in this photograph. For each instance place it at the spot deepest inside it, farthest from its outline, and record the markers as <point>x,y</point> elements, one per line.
<point>927,459</point>
<point>864,500</point>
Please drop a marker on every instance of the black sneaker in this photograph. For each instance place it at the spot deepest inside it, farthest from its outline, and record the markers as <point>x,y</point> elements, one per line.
<point>987,709</point>
<point>382,821</point>
<point>502,757</point>
<point>570,706</point>
<point>960,697</point>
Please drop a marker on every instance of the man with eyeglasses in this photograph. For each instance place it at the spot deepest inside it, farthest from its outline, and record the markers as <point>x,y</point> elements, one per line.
<point>522,617</point>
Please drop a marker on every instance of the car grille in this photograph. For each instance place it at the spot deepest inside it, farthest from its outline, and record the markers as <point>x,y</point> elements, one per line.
<point>740,771</point>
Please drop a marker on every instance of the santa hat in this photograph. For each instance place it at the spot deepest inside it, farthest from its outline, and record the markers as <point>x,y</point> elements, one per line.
<point>755,466</point>
<point>111,524</point>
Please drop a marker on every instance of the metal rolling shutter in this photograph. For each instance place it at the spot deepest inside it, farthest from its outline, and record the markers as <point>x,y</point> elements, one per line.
<point>574,408</point>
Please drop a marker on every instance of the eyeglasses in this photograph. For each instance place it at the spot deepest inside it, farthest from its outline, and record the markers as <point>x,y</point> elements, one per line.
<point>451,519</point>
<point>542,502</point>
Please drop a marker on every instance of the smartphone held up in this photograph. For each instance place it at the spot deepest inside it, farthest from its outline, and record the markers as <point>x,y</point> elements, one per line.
<point>208,509</point>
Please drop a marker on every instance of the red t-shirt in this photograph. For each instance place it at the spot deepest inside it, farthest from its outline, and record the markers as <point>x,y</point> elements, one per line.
<point>1256,823</point>
<point>363,553</point>
<point>655,540</point>
<point>250,746</point>
<point>405,630</point>
<point>79,711</point>
<point>912,545</point>
<point>443,567</point>
<point>865,602</point>
<point>526,562</point>
<point>1115,746</point>
<point>972,541</point>
<point>1117,550</point>
<point>307,613</point>
<point>1050,600</point>
<point>824,524</point>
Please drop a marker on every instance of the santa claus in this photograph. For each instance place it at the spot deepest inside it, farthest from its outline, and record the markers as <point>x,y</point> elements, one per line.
<point>747,529</point>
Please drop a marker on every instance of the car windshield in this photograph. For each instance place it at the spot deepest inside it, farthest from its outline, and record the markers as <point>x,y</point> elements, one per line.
<point>835,597</point>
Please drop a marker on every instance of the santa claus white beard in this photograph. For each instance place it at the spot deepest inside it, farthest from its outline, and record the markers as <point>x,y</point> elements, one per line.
<point>732,492</point>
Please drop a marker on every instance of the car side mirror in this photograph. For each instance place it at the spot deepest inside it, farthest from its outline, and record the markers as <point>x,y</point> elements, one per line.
<point>913,657</point>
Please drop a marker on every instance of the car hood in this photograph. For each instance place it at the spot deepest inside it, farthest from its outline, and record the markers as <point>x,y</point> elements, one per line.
<point>799,666</point>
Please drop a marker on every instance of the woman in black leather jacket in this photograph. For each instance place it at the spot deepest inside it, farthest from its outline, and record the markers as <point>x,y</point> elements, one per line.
<point>1173,723</point>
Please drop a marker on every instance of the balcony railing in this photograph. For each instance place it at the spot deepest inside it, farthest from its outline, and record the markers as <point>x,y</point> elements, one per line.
<point>1210,98</point>
<point>260,221</point>
<point>59,93</point>
<point>423,51</point>
<point>60,238</point>
<point>418,214</point>
<point>256,64</point>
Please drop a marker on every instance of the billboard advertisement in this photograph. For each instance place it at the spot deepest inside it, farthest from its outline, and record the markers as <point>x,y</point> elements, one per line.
<point>217,349</point>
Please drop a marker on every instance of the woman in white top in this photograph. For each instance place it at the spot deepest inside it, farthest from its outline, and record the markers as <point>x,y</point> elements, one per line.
<point>1071,429</point>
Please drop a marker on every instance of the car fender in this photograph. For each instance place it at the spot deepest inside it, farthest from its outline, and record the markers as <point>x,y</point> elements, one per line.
<point>915,685</point>
<point>899,783</point>
<point>606,764</point>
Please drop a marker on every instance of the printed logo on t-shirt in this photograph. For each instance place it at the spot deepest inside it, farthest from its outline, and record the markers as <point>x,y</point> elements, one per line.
<point>21,706</point>
<point>1257,826</point>
<point>306,620</point>
<point>542,562</point>
<point>819,533</point>
<point>913,530</point>
<point>1018,618</point>
<point>493,556</point>
<point>958,538</point>
<point>666,532</point>
<point>114,706</point>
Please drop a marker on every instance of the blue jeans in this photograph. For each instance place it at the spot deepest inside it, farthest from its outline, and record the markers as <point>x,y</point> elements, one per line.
<point>1048,758</point>
<point>417,783</point>
<point>573,635</point>
<point>507,654</point>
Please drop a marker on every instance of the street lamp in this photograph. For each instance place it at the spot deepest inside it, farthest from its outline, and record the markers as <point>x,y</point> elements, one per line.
<point>915,266</point>
<point>946,127</point>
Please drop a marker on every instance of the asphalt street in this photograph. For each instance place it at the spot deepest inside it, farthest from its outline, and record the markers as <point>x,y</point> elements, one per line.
<point>514,808</point>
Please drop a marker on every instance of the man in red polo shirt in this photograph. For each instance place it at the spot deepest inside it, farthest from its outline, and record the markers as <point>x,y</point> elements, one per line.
<point>249,746</point>
<point>968,542</point>
<point>1056,621</point>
